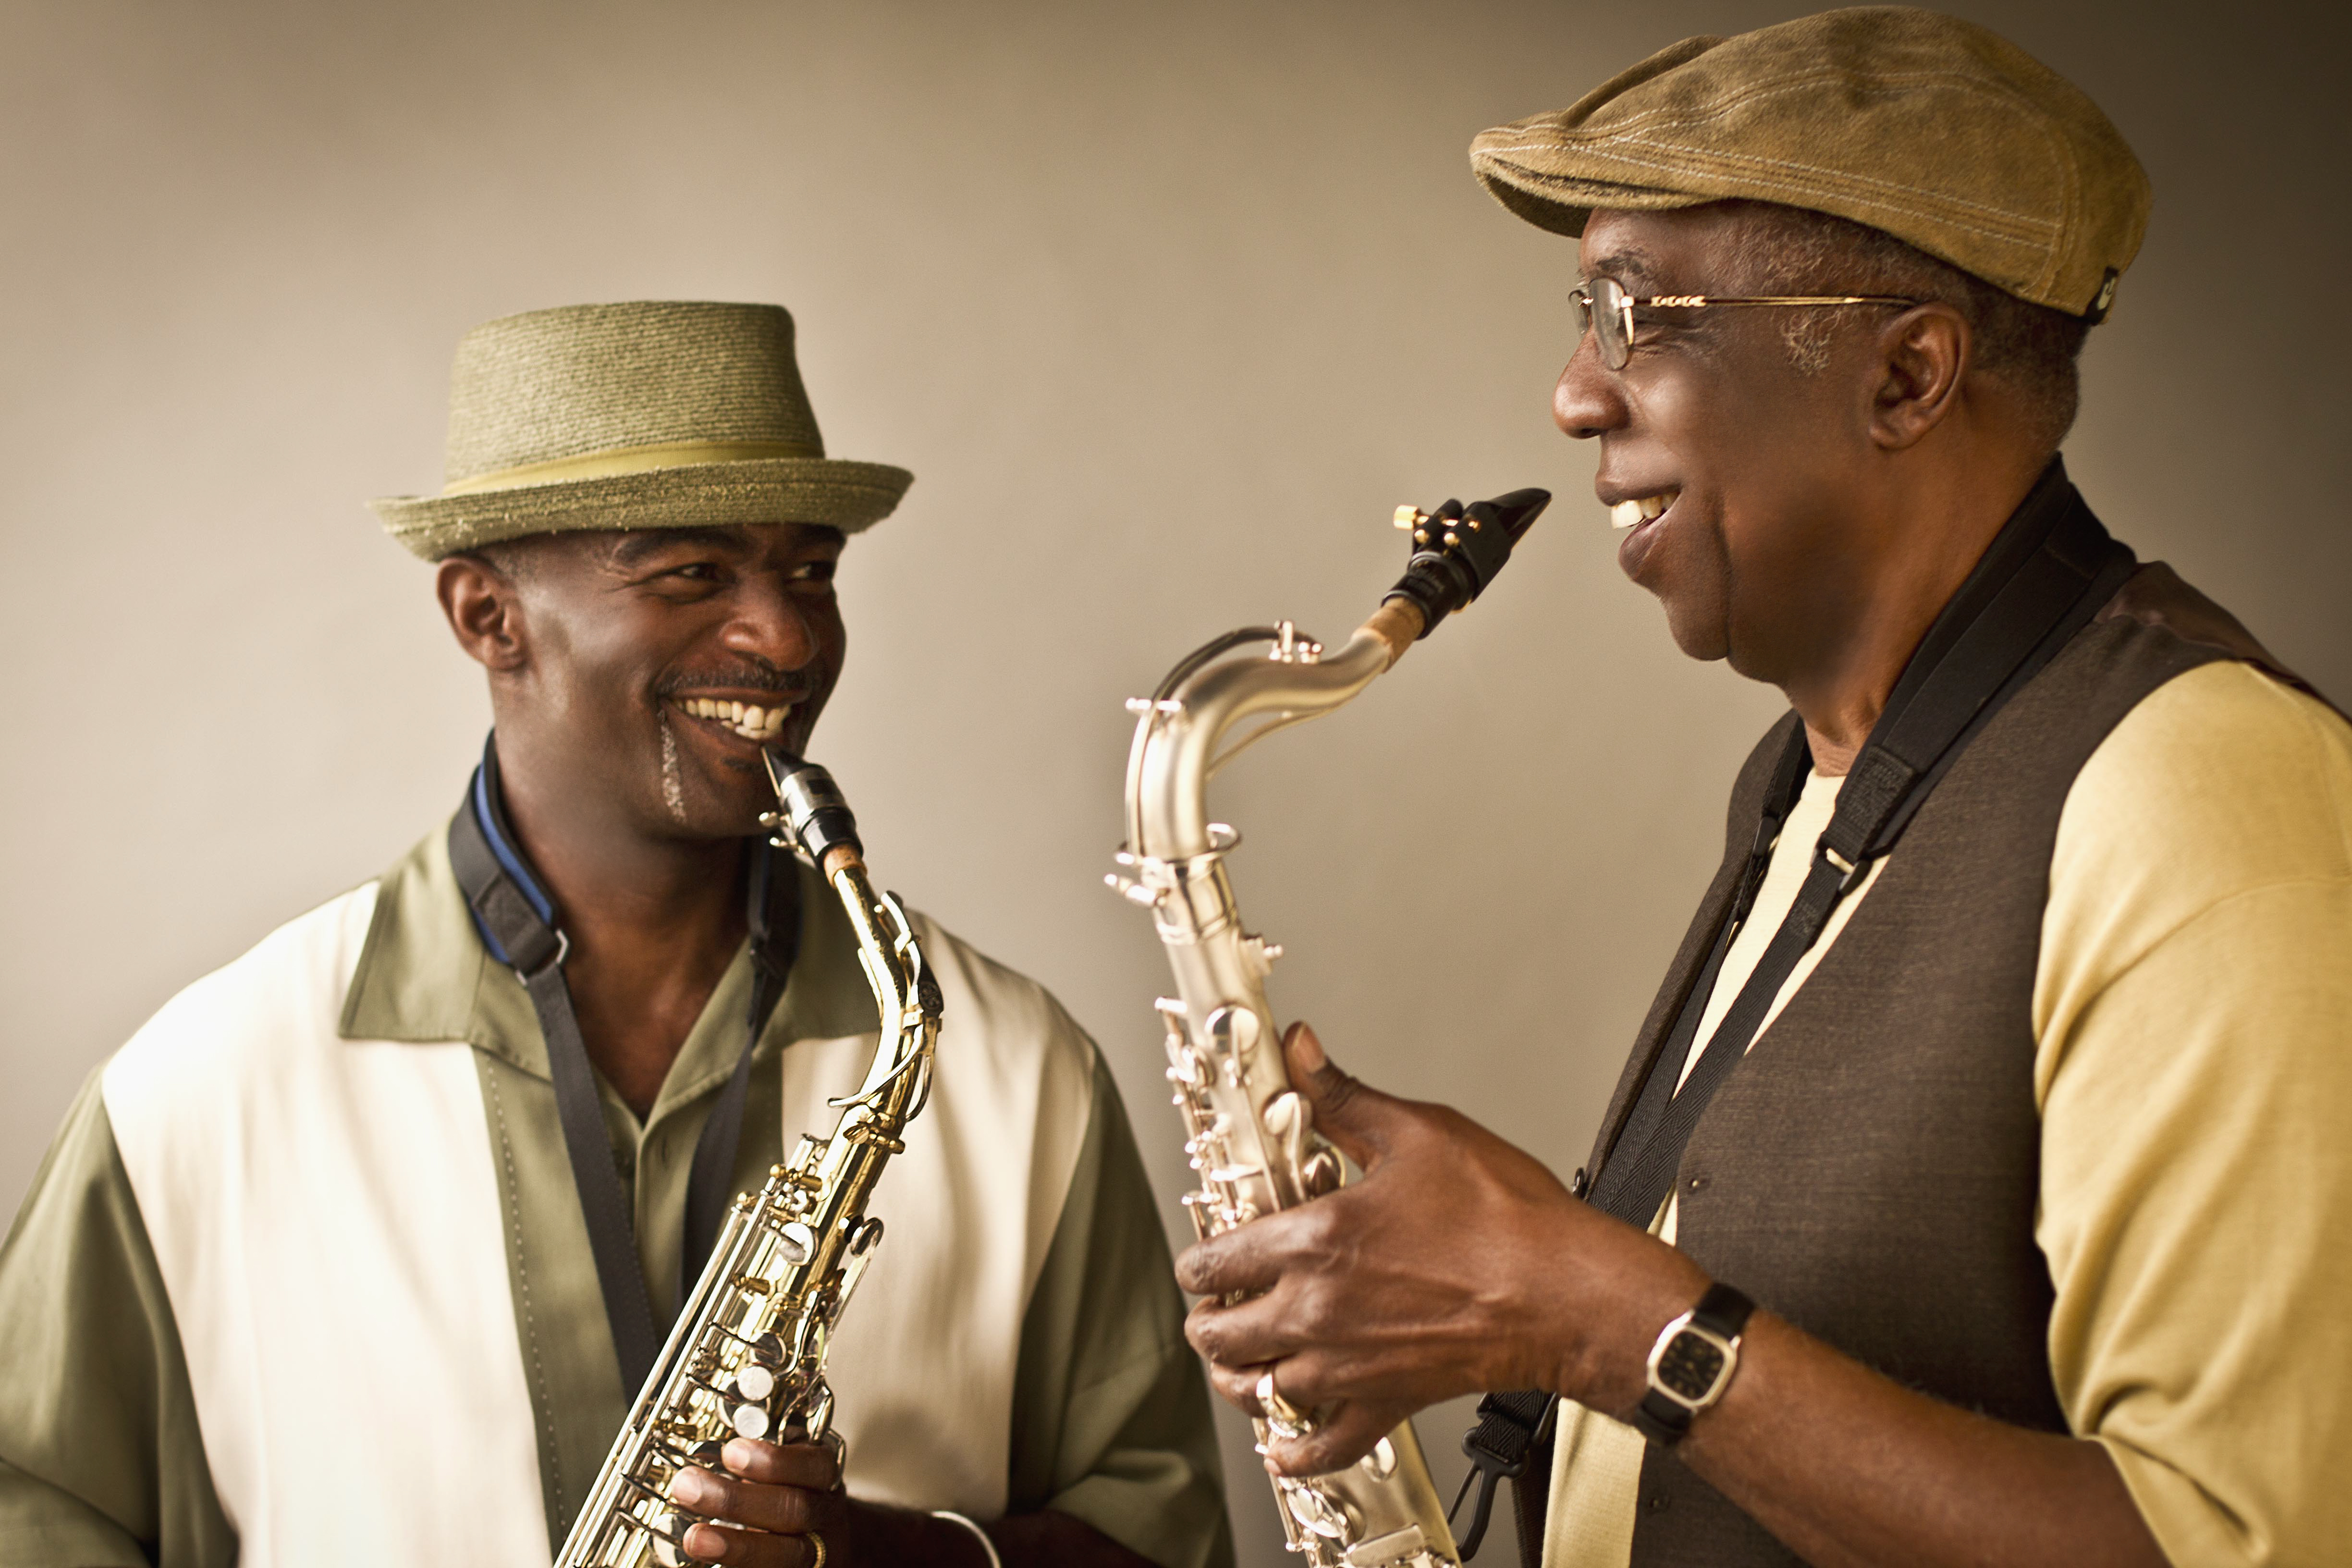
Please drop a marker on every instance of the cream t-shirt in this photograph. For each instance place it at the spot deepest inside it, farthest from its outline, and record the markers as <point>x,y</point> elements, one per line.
<point>2192,1016</point>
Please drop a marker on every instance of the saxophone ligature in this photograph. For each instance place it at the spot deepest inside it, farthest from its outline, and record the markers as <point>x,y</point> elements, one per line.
<point>747,1356</point>
<point>1250,1135</point>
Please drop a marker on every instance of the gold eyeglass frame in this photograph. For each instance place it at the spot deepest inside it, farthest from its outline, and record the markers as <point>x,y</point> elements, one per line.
<point>1616,356</point>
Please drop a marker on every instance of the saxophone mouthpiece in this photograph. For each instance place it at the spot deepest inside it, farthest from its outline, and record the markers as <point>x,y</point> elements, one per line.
<point>1457,550</point>
<point>813,819</point>
<point>1518,511</point>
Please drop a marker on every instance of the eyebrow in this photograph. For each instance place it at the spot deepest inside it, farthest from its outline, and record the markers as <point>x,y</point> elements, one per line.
<point>1631,265</point>
<point>634,545</point>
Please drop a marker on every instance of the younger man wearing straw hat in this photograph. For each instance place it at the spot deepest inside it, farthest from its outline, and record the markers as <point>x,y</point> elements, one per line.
<point>312,1274</point>
<point>1979,1187</point>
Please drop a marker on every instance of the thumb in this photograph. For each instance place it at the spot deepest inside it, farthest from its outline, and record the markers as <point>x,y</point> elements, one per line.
<point>1349,1112</point>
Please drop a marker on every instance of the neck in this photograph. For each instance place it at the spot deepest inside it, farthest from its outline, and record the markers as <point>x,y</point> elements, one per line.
<point>1930,542</point>
<point>654,922</point>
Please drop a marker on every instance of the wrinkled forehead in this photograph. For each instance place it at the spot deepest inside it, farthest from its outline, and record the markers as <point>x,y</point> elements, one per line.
<point>1680,250</point>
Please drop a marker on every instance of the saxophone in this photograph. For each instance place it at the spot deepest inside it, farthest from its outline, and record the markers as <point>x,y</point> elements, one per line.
<point>1251,1137</point>
<point>747,1356</point>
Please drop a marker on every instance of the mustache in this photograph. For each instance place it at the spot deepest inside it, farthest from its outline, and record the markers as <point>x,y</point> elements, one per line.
<point>743,676</point>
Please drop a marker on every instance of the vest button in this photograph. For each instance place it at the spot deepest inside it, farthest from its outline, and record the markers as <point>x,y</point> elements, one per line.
<point>1696,1184</point>
<point>1657,1501</point>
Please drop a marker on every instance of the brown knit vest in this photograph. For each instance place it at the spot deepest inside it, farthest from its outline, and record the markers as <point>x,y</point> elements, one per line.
<point>1869,1171</point>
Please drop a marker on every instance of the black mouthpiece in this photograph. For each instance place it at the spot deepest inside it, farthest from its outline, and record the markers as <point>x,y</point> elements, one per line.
<point>1457,550</point>
<point>811,816</point>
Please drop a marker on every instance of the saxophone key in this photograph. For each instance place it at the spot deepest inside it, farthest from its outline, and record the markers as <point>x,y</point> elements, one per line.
<point>1231,1030</point>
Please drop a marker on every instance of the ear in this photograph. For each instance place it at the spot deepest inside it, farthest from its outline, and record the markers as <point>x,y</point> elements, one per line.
<point>1924,355</point>
<point>483,611</point>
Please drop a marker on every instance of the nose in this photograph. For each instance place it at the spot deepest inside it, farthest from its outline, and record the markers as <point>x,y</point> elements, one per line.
<point>771,624</point>
<point>1589,399</point>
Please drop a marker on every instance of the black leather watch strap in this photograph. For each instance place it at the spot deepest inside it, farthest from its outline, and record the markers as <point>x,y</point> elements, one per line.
<point>1722,1312</point>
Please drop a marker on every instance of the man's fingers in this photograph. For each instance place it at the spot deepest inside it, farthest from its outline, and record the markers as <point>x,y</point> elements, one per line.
<point>779,1510</point>
<point>812,1465</point>
<point>1237,1387</point>
<point>1247,1258</point>
<point>743,1549</point>
<point>1258,1330</point>
<point>1347,1111</point>
<point>1342,1434</point>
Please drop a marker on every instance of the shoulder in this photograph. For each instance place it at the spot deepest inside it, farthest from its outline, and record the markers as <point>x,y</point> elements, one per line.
<point>1008,1014</point>
<point>2223,797</point>
<point>1011,1055</point>
<point>2221,780</point>
<point>279,997</point>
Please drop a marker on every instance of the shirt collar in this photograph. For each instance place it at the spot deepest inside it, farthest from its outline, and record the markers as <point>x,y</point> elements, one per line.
<point>423,975</point>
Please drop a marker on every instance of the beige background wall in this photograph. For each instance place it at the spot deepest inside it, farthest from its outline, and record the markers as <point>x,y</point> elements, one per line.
<point>1166,307</point>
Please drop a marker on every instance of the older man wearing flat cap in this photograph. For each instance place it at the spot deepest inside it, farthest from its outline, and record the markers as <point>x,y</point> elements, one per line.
<point>307,1277</point>
<point>1978,1185</point>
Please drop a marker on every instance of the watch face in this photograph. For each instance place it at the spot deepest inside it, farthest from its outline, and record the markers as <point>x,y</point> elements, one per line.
<point>1690,1365</point>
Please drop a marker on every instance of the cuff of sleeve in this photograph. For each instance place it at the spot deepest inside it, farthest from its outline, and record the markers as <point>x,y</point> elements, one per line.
<point>977,1535</point>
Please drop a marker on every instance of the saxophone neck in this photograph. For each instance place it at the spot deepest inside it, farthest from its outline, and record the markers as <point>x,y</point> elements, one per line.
<point>813,819</point>
<point>1187,728</point>
<point>1222,705</point>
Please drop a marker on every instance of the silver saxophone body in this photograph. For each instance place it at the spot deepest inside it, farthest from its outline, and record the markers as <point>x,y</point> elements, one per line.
<point>1250,1135</point>
<point>747,1356</point>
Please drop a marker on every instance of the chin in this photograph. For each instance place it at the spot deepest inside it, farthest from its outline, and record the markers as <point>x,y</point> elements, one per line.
<point>1699,631</point>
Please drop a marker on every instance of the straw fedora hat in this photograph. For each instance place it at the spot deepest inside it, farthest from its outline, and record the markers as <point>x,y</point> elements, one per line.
<point>650,414</point>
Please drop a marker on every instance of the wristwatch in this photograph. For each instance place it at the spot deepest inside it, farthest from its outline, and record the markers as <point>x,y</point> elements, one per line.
<point>1691,1364</point>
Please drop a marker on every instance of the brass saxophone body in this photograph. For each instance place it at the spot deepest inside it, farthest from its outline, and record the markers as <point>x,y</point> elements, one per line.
<point>747,1356</point>
<point>1249,1134</point>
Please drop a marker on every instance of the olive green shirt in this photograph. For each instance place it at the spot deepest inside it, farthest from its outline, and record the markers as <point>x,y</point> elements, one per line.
<point>108,1455</point>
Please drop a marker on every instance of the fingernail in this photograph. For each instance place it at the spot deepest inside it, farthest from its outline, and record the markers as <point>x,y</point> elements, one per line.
<point>704,1542</point>
<point>738,1455</point>
<point>1310,1049</point>
<point>689,1487</point>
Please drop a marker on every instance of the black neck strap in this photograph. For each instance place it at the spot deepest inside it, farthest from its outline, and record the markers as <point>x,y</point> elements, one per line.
<point>517,921</point>
<point>2044,576</point>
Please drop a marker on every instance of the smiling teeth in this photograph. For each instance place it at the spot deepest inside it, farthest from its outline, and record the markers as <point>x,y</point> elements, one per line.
<point>1626,513</point>
<point>746,720</point>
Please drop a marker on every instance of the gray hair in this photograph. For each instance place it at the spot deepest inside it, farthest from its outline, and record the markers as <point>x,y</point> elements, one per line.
<point>2034,350</point>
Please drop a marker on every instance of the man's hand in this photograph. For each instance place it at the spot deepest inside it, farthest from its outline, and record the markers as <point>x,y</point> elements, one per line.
<point>775,1498</point>
<point>1457,1264</point>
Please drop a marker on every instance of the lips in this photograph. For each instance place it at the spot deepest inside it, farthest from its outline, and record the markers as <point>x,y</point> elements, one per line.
<point>1639,519</point>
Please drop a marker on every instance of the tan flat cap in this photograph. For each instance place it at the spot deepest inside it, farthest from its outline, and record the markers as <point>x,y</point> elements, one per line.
<point>1936,130</point>
<point>654,414</point>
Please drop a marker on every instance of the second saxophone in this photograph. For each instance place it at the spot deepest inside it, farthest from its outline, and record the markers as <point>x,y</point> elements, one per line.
<point>747,1358</point>
<point>1252,1140</point>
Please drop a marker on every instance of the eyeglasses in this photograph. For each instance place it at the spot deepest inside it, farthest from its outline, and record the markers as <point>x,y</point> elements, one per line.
<point>1606,311</point>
